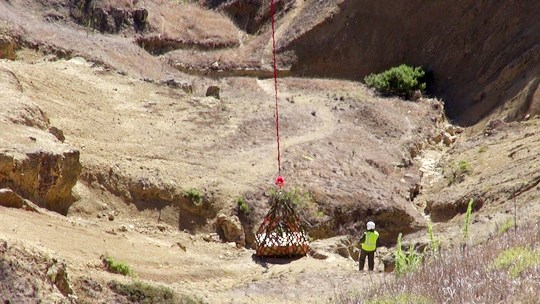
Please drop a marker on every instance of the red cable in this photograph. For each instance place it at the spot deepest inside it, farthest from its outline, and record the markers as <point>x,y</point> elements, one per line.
<point>279,179</point>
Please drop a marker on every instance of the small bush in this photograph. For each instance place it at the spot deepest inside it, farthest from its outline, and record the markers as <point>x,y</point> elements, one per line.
<point>459,171</point>
<point>118,267</point>
<point>516,260</point>
<point>139,292</point>
<point>194,195</point>
<point>242,205</point>
<point>402,81</point>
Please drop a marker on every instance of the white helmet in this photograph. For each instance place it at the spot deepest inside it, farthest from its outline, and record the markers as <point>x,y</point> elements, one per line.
<point>370,225</point>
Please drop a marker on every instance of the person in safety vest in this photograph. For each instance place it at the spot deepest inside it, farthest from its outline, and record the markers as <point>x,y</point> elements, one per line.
<point>369,245</point>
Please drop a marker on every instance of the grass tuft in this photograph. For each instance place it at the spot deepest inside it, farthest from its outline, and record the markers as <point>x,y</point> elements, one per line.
<point>516,260</point>
<point>242,205</point>
<point>139,292</point>
<point>118,267</point>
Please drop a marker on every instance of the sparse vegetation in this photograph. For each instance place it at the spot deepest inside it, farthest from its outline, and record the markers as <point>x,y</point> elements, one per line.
<point>402,81</point>
<point>434,243</point>
<point>303,202</point>
<point>242,205</point>
<point>139,292</point>
<point>467,221</point>
<point>114,266</point>
<point>408,261</point>
<point>505,226</point>
<point>517,260</point>
<point>484,273</point>
<point>482,149</point>
<point>459,171</point>
<point>194,195</point>
<point>400,299</point>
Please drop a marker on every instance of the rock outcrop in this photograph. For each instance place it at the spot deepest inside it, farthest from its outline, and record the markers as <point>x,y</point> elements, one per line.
<point>489,57</point>
<point>30,274</point>
<point>34,164</point>
<point>109,19</point>
<point>44,177</point>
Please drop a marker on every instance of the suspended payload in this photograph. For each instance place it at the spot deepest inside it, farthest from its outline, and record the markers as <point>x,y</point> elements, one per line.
<point>282,232</point>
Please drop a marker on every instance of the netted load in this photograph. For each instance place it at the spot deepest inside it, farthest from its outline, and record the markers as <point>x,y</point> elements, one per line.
<point>282,232</point>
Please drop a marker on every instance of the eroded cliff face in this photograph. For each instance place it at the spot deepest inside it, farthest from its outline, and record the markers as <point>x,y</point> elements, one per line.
<point>481,54</point>
<point>34,163</point>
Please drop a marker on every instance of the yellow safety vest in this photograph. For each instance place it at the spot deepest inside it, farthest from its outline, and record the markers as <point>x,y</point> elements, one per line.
<point>370,242</point>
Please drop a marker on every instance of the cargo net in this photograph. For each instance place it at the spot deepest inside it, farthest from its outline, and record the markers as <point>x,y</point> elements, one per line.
<point>282,232</point>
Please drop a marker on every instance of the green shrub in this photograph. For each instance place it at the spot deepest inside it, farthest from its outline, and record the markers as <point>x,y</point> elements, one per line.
<point>118,267</point>
<point>139,292</point>
<point>402,81</point>
<point>242,205</point>
<point>516,260</point>
<point>194,195</point>
<point>406,261</point>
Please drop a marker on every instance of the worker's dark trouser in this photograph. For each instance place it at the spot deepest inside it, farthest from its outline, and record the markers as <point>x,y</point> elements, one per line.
<point>371,259</point>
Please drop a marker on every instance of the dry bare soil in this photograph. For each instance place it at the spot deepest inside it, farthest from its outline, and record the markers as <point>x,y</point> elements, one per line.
<point>104,119</point>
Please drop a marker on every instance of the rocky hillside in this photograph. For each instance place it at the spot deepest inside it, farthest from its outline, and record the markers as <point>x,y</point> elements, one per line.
<point>143,123</point>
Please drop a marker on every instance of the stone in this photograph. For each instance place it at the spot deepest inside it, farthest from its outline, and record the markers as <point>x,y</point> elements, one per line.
<point>213,91</point>
<point>448,139</point>
<point>8,46</point>
<point>57,274</point>
<point>437,138</point>
<point>340,245</point>
<point>59,134</point>
<point>10,199</point>
<point>232,229</point>
<point>387,258</point>
<point>44,177</point>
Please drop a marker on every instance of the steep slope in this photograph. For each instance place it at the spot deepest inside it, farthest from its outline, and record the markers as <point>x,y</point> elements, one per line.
<point>481,53</point>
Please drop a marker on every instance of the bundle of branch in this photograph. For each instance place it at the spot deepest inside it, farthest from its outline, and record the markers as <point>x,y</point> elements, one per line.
<point>282,232</point>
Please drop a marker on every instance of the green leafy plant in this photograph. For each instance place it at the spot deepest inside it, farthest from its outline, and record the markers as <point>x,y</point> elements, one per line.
<point>242,205</point>
<point>115,266</point>
<point>408,261</point>
<point>402,81</point>
<point>467,220</point>
<point>459,171</point>
<point>516,260</point>
<point>194,195</point>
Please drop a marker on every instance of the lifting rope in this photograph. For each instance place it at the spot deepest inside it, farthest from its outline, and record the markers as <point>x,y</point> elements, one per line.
<point>280,181</point>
